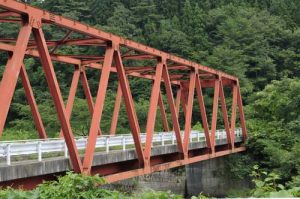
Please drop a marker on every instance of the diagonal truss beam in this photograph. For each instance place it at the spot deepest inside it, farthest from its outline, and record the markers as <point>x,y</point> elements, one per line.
<point>225,115</point>
<point>203,112</point>
<point>32,103</point>
<point>72,94</point>
<point>97,114</point>
<point>116,112</point>
<point>173,110</point>
<point>88,95</point>
<point>188,113</point>
<point>11,73</point>
<point>128,100</point>
<point>57,98</point>
<point>163,113</point>
<point>155,93</point>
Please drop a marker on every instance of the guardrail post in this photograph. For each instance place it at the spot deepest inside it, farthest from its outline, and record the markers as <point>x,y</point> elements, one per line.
<point>8,161</point>
<point>173,138</point>
<point>66,150</point>
<point>162,139</point>
<point>198,136</point>
<point>191,136</point>
<point>107,144</point>
<point>124,142</point>
<point>39,148</point>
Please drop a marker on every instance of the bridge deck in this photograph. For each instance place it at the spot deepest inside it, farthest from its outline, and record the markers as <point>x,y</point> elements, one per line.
<point>56,165</point>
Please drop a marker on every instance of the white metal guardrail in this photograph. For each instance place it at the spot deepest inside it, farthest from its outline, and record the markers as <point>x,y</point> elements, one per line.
<point>40,147</point>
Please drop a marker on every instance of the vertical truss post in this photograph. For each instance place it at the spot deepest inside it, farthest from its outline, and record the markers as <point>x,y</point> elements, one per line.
<point>188,114</point>
<point>115,116</point>
<point>72,94</point>
<point>32,103</point>
<point>97,114</point>
<point>11,73</point>
<point>241,112</point>
<point>233,112</point>
<point>155,93</point>
<point>129,104</point>
<point>88,95</point>
<point>215,114</point>
<point>178,99</point>
<point>183,98</point>
<point>173,110</point>
<point>57,98</point>
<point>225,115</point>
<point>163,113</point>
<point>203,112</point>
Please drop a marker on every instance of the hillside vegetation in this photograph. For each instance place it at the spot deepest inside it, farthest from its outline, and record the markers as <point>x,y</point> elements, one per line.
<point>257,41</point>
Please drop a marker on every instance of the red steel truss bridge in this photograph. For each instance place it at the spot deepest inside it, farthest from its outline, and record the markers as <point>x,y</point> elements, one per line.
<point>180,80</point>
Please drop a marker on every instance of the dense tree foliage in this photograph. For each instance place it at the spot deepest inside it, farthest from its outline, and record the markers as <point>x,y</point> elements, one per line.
<point>76,186</point>
<point>258,41</point>
<point>273,118</point>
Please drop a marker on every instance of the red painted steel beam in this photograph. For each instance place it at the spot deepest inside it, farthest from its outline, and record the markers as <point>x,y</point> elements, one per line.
<point>69,33</point>
<point>11,21</point>
<point>128,100</point>
<point>184,94</point>
<point>173,110</point>
<point>152,112</point>
<point>163,113</point>
<point>188,114</point>
<point>215,114</point>
<point>9,14</point>
<point>97,114</point>
<point>72,42</point>
<point>203,112</point>
<point>99,34</point>
<point>225,115</point>
<point>32,103</point>
<point>96,58</point>
<point>57,99</point>
<point>117,107</point>
<point>69,60</point>
<point>169,165</point>
<point>72,94</point>
<point>88,94</point>
<point>241,112</point>
<point>178,99</point>
<point>11,73</point>
<point>233,112</point>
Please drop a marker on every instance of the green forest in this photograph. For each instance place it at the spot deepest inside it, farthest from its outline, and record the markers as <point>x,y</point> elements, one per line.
<point>257,41</point>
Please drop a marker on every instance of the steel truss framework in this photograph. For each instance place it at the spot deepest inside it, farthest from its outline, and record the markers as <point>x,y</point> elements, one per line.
<point>186,77</point>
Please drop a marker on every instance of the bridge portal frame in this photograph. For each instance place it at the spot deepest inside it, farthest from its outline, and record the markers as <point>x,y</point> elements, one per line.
<point>189,80</point>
